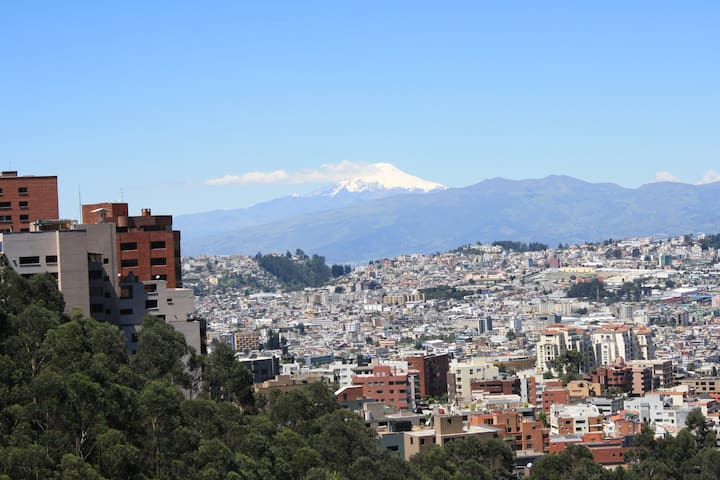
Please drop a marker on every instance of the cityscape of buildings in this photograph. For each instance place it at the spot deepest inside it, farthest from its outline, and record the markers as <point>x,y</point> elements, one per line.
<point>579,344</point>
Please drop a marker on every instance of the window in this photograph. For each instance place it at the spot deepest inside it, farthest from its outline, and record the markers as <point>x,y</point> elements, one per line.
<point>96,308</point>
<point>29,261</point>
<point>5,205</point>
<point>129,262</point>
<point>160,277</point>
<point>151,303</point>
<point>5,218</point>
<point>126,291</point>
<point>95,275</point>
<point>50,259</point>
<point>170,301</point>
<point>128,246</point>
<point>158,261</point>
<point>157,245</point>
<point>24,204</point>
<point>150,288</point>
<point>126,311</point>
<point>106,261</point>
<point>23,190</point>
<point>24,218</point>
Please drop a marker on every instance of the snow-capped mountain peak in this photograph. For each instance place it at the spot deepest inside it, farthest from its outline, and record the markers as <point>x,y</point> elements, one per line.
<point>383,176</point>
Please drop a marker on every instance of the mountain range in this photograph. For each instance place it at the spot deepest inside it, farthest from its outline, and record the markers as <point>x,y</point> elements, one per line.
<point>357,220</point>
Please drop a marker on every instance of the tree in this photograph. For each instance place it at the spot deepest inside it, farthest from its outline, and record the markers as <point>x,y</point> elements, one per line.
<point>273,342</point>
<point>576,461</point>
<point>159,405</point>
<point>160,352</point>
<point>32,325</point>
<point>697,425</point>
<point>45,293</point>
<point>225,379</point>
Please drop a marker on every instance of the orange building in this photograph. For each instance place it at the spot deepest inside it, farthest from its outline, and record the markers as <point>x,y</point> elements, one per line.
<point>605,451</point>
<point>385,385</point>
<point>147,246</point>
<point>26,199</point>
<point>554,396</point>
<point>618,375</point>
<point>524,433</point>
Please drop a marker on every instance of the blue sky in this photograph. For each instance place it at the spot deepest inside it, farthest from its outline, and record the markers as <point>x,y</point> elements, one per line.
<point>148,101</point>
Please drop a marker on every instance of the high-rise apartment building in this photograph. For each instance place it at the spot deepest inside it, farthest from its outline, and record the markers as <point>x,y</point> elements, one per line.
<point>432,371</point>
<point>26,199</point>
<point>556,340</point>
<point>114,267</point>
<point>147,246</point>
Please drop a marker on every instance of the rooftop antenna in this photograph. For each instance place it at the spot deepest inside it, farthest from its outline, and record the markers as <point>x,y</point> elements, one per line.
<point>79,202</point>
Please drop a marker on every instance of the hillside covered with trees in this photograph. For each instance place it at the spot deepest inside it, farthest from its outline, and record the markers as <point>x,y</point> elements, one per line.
<point>299,271</point>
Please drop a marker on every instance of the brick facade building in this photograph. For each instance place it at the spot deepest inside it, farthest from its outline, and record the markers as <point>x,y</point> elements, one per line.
<point>432,372</point>
<point>26,199</point>
<point>147,246</point>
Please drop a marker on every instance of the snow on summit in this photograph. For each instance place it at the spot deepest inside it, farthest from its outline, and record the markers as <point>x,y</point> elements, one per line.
<point>384,176</point>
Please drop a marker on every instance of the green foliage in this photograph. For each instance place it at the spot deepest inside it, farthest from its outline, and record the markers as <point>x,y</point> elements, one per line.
<point>569,364</point>
<point>160,352</point>
<point>444,292</point>
<point>575,462</point>
<point>225,379</point>
<point>596,290</point>
<point>468,458</point>
<point>520,246</point>
<point>710,241</point>
<point>592,290</point>
<point>340,270</point>
<point>298,272</point>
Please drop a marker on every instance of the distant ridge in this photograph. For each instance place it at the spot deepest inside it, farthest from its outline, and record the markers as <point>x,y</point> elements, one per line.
<point>379,181</point>
<point>550,210</point>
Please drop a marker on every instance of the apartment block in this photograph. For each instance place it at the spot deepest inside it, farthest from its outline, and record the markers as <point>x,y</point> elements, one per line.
<point>446,428</point>
<point>246,340</point>
<point>558,339</point>
<point>521,433</point>
<point>432,373</point>
<point>575,419</point>
<point>703,384</point>
<point>387,385</point>
<point>147,245</point>
<point>661,369</point>
<point>26,199</point>
<point>462,374</point>
<point>85,275</point>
